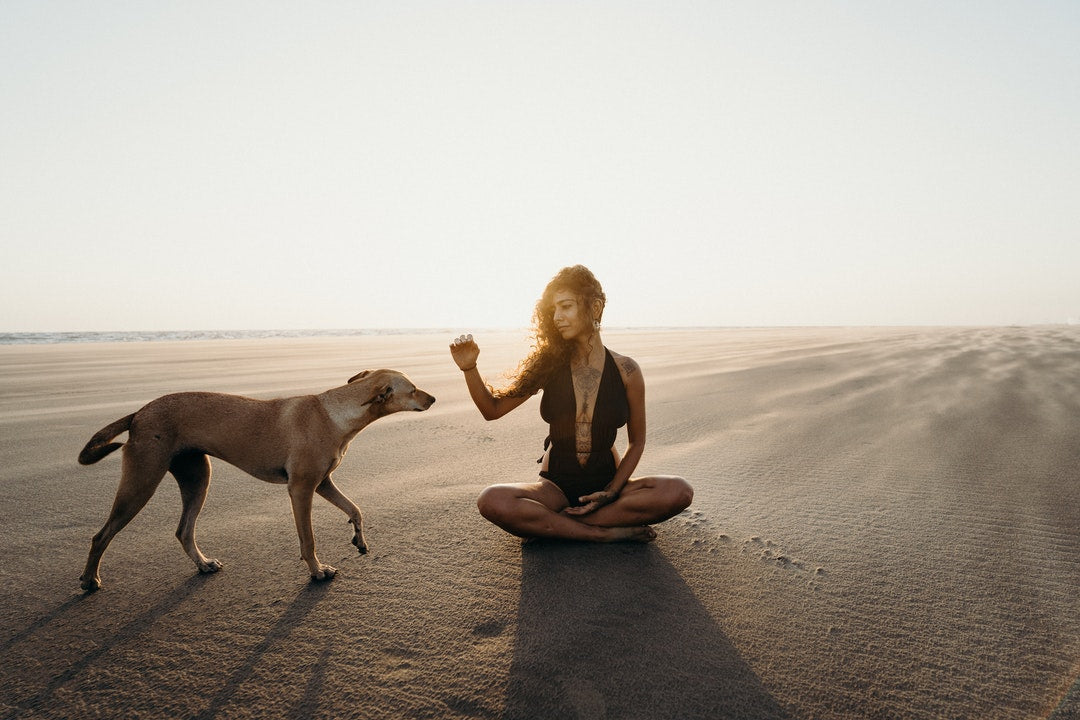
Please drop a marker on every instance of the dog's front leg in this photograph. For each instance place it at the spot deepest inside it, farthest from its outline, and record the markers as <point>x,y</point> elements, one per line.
<point>330,492</point>
<point>301,494</point>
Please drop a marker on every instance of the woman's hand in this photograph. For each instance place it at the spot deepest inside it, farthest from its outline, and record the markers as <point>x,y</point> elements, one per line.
<point>593,502</point>
<point>465,352</point>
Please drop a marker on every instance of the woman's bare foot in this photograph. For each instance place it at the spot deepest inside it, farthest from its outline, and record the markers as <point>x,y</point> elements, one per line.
<point>640,533</point>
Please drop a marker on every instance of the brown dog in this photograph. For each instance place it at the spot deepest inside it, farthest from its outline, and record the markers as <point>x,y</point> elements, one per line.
<point>296,441</point>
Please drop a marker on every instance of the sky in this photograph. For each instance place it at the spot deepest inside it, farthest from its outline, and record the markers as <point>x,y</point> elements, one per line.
<point>407,164</point>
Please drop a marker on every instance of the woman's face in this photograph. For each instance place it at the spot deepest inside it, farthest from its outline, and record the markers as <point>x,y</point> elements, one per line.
<point>571,319</point>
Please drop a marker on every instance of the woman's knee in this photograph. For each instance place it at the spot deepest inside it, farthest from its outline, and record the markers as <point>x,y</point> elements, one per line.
<point>492,502</point>
<point>679,492</point>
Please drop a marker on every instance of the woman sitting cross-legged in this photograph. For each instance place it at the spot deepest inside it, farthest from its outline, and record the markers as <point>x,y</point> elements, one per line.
<point>585,490</point>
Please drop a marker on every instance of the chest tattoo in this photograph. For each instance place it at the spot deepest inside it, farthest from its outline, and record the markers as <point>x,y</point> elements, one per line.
<point>586,386</point>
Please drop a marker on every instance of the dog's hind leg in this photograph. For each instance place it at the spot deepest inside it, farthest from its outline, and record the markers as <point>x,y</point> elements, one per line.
<point>140,477</point>
<point>192,472</point>
<point>330,492</point>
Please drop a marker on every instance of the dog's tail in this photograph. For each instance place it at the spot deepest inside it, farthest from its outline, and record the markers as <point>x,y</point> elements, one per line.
<point>99,445</point>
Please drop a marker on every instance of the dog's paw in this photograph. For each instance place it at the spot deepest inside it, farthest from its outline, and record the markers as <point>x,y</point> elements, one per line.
<point>325,572</point>
<point>90,584</point>
<point>210,566</point>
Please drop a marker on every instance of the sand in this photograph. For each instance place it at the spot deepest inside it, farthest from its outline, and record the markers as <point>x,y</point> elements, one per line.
<point>886,524</point>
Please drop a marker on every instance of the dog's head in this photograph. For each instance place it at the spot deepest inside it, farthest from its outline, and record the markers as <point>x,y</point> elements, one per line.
<point>389,391</point>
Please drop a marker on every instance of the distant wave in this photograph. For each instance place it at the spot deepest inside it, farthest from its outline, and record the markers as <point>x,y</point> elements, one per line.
<point>28,338</point>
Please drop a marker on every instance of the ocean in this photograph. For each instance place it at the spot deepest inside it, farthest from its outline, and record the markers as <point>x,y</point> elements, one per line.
<point>44,338</point>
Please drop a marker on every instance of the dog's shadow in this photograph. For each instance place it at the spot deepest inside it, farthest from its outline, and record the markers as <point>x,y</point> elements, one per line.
<point>293,617</point>
<point>136,627</point>
<point>614,631</point>
<point>307,598</point>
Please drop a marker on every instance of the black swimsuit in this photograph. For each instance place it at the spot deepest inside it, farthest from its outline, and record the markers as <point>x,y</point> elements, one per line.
<point>558,407</point>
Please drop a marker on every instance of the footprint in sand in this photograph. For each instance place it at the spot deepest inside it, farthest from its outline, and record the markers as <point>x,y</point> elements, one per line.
<point>766,549</point>
<point>772,553</point>
<point>490,628</point>
<point>697,520</point>
<point>693,518</point>
<point>399,661</point>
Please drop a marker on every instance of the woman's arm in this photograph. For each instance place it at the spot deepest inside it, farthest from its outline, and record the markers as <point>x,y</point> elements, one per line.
<point>465,352</point>
<point>635,425</point>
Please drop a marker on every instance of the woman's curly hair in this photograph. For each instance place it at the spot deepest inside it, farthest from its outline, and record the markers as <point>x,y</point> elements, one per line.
<point>549,350</point>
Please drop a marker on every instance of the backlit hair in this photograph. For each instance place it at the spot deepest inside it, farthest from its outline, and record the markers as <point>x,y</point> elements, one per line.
<point>549,350</point>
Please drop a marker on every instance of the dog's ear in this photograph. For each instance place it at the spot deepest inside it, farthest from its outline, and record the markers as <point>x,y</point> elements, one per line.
<point>381,396</point>
<point>361,374</point>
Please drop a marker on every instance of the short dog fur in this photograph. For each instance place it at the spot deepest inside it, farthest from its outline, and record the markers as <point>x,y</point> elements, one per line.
<point>296,441</point>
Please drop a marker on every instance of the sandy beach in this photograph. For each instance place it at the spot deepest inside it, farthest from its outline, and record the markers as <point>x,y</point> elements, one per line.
<point>886,525</point>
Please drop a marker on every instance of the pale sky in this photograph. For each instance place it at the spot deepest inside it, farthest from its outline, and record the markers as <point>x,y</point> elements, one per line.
<point>264,165</point>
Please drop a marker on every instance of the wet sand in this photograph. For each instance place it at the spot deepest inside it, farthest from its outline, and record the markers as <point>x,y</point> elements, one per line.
<point>886,524</point>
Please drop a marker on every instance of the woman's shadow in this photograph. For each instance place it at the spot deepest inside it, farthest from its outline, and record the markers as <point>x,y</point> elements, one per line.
<point>612,631</point>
